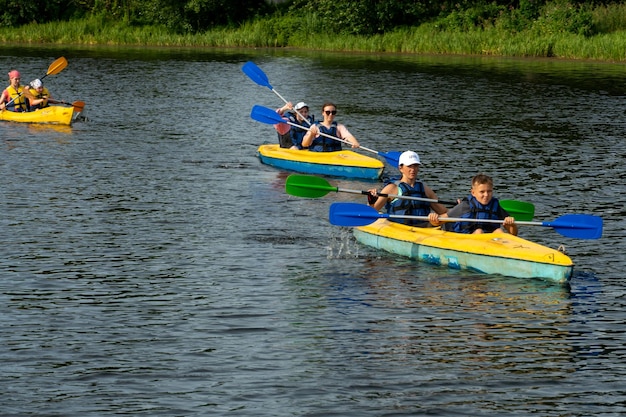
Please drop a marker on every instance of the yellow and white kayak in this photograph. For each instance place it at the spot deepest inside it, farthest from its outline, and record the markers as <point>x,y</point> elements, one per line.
<point>342,163</point>
<point>53,114</point>
<point>491,253</point>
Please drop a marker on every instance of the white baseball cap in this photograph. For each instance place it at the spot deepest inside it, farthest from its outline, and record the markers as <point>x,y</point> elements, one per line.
<point>301,105</point>
<point>409,158</point>
<point>36,83</point>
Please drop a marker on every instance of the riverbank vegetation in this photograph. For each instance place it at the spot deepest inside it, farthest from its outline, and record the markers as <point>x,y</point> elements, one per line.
<point>572,29</point>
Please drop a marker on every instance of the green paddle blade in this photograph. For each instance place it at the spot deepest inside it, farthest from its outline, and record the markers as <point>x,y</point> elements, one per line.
<point>307,186</point>
<point>521,210</point>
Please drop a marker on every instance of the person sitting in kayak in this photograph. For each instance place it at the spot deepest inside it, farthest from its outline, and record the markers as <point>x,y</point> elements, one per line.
<point>480,204</point>
<point>318,143</point>
<point>408,185</point>
<point>40,95</point>
<point>290,136</point>
<point>13,97</point>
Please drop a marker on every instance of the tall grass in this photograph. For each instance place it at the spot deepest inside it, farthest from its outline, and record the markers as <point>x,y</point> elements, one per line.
<point>609,19</point>
<point>551,35</point>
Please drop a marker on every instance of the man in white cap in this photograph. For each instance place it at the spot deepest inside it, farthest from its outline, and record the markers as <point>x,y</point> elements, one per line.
<point>290,136</point>
<point>408,185</point>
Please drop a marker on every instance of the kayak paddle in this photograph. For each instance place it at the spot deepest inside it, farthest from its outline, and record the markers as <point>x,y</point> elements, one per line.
<point>580,226</point>
<point>257,75</point>
<point>56,67</point>
<point>314,187</point>
<point>270,117</point>
<point>78,105</point>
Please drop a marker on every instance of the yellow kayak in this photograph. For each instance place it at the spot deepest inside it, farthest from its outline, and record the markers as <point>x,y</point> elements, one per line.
<point>53,114</point>
<point>491,253</point>
<point>342,163</point>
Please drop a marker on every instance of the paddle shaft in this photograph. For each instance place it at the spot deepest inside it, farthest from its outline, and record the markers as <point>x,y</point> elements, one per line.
<point>365,192</point>
<point>458,219</point>
<point>287,102</point>
<point>78,105</point>
<point>257,75</point>
<point>570,225</point>
<point>333,137</point>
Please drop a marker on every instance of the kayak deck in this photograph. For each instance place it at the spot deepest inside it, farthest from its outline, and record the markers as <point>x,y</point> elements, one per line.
<point>342,163</point>
<point>51,114</point>
<point>490,253</point>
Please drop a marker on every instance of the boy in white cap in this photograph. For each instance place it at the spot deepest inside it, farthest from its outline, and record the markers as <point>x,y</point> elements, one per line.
<point>290,136</point>
<point>40,95</point>
<point>408,185</point>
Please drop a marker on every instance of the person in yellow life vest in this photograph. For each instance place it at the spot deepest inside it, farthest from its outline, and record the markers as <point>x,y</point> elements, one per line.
<point>40,95</point>
<point>14,97</point>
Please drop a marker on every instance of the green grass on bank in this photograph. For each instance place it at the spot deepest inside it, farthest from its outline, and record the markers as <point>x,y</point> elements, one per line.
<point>543,38</point>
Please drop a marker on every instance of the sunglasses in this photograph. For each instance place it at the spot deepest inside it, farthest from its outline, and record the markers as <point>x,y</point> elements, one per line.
<point>329,112</point>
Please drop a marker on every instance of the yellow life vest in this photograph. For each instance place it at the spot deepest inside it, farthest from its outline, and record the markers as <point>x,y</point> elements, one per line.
<point>19,102</point>
<point>44,94</point>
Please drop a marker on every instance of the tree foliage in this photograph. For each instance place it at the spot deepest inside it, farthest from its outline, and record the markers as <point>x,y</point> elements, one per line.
<point>16,13</point>
<point>355,17</point>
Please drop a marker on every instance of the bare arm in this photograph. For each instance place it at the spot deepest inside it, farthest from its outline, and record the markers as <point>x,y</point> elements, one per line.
<point>437,208</point>
<point>380,202</point>
<point>307,140</point>
<point>35,101</point>
<point>510,226</point>
<point>345,134</point>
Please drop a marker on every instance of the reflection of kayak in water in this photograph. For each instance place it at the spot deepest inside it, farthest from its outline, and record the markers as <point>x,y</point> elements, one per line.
<point>342,163</point>
<point>52,114</point>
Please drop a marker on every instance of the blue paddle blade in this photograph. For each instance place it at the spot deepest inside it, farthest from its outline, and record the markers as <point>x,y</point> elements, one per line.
<point>581,226</point>
<point>265,115</point>
<point>256,74</point>
<point>353,214</point>
<point>392,157</point>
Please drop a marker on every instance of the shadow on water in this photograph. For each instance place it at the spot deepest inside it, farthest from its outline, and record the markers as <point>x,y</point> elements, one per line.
<point>610,79</point>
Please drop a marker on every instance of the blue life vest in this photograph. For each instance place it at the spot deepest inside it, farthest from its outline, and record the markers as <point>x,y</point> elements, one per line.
<point>479,211</point>
<point>323,143</point>
<point>296,133</point>
<point>409,207</point>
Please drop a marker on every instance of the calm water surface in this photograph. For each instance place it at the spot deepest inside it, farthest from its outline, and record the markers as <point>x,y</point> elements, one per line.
<point>150,265</point>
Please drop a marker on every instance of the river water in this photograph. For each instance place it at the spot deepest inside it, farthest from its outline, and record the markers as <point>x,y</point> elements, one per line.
<point>150,265</point>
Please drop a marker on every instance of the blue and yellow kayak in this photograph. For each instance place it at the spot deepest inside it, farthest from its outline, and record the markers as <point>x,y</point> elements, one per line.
<point>53,114</point>
<point>490,253</point>
<point>342,163</point>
